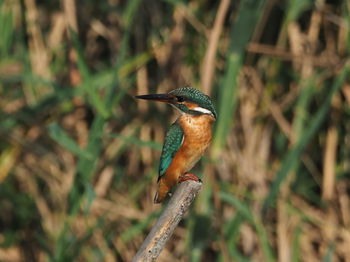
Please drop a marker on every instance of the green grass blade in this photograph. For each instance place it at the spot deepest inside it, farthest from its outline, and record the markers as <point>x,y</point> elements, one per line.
<point>6,28</point>
<point>241,208</point>
<point>62,138</point>
<point>296,244</point>
<point>136,141</point>
<point>295,8</point>
<point>138,228</point>
<point>302,106</point>
<point>242,30</point>
<point>330,253</point>
<point>89,89</point>
<point>129,14</point>
<point>231,231</point>
<point>86,167</point>
<point>293,156</point>
<point>248,215</point>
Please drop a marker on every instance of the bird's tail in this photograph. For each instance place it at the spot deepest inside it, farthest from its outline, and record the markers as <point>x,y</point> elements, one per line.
<point>163,190</point>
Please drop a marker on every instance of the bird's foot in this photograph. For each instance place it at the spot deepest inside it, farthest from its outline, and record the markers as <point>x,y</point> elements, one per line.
<point>189,176</point>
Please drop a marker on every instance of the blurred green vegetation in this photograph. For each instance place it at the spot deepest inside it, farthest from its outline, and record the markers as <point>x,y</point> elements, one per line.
<point>79,156</point>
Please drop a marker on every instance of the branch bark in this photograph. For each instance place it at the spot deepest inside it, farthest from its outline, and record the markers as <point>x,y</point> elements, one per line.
<point>168,221</point>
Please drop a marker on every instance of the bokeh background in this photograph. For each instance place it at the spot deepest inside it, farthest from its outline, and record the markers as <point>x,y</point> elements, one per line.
<point>79,156</point>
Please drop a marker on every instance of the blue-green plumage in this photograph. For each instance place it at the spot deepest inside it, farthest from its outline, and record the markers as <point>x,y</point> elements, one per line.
<point>187,139</point>
<point>193,95</point>
<point>172,143</point>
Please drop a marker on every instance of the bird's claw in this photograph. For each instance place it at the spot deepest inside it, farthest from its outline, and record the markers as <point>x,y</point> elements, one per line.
<point>189,176</point>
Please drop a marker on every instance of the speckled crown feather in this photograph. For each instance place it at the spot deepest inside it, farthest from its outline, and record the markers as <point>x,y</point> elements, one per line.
<point>194,95</point>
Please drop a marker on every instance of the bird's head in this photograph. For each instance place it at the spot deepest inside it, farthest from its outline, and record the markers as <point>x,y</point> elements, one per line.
<point>186,99</point>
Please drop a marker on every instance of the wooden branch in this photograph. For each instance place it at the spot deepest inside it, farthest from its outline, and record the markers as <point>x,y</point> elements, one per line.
<point>168,221</point>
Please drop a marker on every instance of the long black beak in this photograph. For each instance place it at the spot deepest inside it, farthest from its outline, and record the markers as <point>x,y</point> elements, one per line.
<point>159,97</point>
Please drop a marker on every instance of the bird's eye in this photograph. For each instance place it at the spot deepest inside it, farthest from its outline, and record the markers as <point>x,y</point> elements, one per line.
<point>179,98</point>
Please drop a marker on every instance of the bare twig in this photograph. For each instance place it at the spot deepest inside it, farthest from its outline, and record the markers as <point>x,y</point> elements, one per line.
<point>168,221</point>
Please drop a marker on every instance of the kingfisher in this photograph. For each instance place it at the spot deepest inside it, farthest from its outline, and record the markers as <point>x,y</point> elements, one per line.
<point>187,138</point>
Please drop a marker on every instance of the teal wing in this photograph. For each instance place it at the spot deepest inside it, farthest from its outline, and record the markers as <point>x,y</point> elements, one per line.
<point>172,143</point>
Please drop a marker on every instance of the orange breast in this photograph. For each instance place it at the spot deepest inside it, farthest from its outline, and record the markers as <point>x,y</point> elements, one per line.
<point>197,137</point>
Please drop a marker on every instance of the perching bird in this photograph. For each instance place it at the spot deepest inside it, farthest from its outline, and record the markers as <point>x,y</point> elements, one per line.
<point>187,138</point>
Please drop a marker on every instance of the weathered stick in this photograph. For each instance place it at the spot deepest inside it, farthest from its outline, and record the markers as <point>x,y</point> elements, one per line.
<point>168,221</point>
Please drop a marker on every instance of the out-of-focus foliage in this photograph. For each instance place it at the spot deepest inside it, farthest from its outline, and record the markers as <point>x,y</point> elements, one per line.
<point>79,156</point>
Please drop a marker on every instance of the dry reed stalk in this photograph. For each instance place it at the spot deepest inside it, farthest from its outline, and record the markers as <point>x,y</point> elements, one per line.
<point>69,7</point>
<point>38,53</point>
<point>329,163</point>
<point>70,12</point>
<point>208,67</point>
